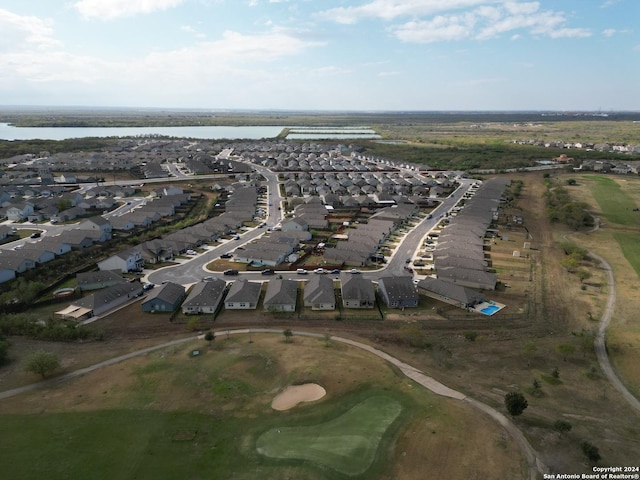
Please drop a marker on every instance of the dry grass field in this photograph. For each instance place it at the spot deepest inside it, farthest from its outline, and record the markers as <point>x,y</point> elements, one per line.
<point>235,381</point>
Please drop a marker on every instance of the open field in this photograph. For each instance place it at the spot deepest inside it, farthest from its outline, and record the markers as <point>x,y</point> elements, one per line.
<point>170,413</point>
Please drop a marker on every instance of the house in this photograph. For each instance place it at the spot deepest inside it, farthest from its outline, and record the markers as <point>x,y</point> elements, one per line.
<point>16,262</point>
<point>398,292</point>
<point>204,297</point>
<point>6,274</point>
<point>296,224</point>
<point>102,301</point>
<point>19,211</point>
<point>319,293</point>
<point>166,298</point>
<point>39,255</point>
<point>468,278</point>
<point>125,261</point>
<point>100,279</point>
<point>450,293</point>
<point>5,231</point>
<point>356,291</point>
<point>281,295</point>
<point>243,295</point>
<point>98,224</point>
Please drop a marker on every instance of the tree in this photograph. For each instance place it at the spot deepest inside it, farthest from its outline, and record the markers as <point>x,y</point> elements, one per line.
<point>562,426</point>
<point>209,337</point>
<point>42,363</point>
<point>287,335</point>
<point>591,452</point>
<point>515,403</point>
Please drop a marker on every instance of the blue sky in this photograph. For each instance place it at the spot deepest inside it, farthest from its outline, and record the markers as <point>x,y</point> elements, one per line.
<point>322,54</point>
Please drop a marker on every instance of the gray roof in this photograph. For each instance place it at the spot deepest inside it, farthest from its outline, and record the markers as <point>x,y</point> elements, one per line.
<point>281,292</point>
<point>170,293</point>
<point>242,291</point>
<point>86,278</point>
<point>398,288</point>
<point>206,294</point>
<point>356,287</point>
<point>463,295</point>
<point>319,289</point>
<point>109,294</point>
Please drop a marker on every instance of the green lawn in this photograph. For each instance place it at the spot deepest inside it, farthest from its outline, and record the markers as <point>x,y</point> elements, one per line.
<point>615,204</point>
<point>347,444</point>
<point>628,242</point>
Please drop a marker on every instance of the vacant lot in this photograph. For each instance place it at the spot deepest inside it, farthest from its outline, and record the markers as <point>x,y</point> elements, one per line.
<point>204,416</point>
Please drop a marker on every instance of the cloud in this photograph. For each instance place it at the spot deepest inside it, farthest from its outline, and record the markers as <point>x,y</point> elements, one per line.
<point>25,32</point>
<point>112,9</point>
<point>489,21</point>
<point>392,9</point>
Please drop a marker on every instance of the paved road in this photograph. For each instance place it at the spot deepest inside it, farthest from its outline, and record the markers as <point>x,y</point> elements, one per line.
<point>535,463</point>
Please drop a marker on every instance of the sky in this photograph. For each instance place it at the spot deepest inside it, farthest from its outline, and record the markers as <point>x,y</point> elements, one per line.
<point>332,55</point>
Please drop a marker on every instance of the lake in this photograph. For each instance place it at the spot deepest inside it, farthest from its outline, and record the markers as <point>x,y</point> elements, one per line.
<point>8,132</point>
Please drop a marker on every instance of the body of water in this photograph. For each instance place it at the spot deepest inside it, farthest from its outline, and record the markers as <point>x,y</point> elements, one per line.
<point>8,132</point>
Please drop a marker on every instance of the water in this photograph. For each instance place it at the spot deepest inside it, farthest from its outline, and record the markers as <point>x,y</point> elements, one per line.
<point>490,310</point>
<point>8,132</point>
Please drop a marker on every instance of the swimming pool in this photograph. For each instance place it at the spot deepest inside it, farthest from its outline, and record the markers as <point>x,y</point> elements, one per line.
<point>490,310</point>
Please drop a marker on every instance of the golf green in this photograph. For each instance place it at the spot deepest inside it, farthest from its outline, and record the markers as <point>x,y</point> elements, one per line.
<point>347,444</point>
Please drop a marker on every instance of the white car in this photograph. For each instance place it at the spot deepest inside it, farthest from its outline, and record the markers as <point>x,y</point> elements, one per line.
<point>320,270</point>
<point>191,252</point>
<point>354,271</point>
<point>301,271</point>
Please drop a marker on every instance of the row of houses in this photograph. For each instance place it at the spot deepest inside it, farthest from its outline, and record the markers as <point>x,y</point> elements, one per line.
<point>206,297</point>
<point>459,256</point>
<point>240,207</point>
<point>32,254</point>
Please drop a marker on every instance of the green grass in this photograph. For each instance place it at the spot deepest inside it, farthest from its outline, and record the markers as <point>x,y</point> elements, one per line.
<point>615,204</point>
<point>347,444</point>
<point>114,445</point>
<point>628,242</point>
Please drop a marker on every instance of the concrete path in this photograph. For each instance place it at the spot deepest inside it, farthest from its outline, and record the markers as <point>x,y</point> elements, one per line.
<point>600,343</point>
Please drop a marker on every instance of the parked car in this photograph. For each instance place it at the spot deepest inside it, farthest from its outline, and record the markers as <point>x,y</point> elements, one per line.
<point>226,255</point>
<point>237,237</point>
<point>35,235</point>
<point>148,286</point>
<point>209,278</point>
<point>191,252</point>
<point>301,271</point>
<point>354,271</point>
<point>268,271</point>
<point>429,217</point>
<point>230,271</point>
<point>335,271</point>
<point>320,270</point>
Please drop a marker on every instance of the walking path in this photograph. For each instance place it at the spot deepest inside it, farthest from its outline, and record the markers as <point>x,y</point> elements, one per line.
<point>600,343</point>
<point>535,463</point>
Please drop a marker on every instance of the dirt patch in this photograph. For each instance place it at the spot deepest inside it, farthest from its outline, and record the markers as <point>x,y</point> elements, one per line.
<point>295,394</point>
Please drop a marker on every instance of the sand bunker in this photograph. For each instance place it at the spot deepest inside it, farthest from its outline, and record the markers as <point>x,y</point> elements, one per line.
<point>295,394</point>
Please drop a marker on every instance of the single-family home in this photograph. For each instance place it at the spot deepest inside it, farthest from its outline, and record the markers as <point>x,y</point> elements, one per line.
<point>125,261</point>
<point>165,298</point>
<point>243,295</point>
<point>98,224</point>
<point>204,297</point>
<point>102,301</point>
<point>319,293</point>
<point>281,295</point>
<point>450,293</point>
<point>98,279</point>
<point>357,292</point>
<point>398,292</point>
